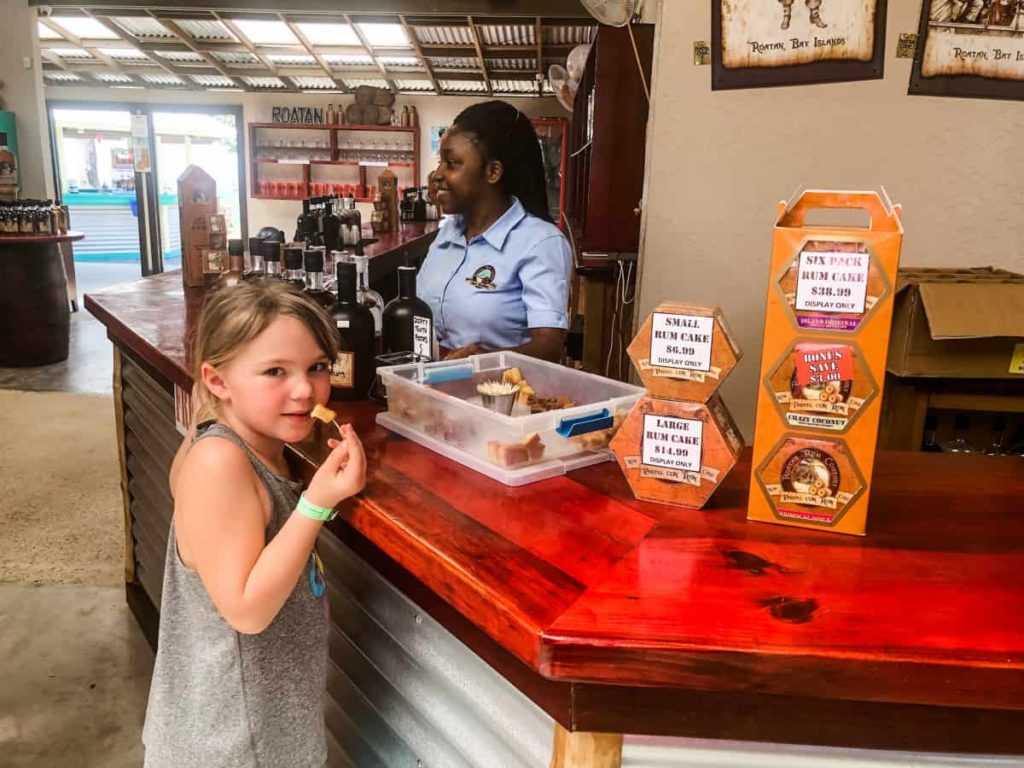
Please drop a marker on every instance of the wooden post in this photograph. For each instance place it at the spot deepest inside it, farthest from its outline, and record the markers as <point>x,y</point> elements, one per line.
<point>586,750</point>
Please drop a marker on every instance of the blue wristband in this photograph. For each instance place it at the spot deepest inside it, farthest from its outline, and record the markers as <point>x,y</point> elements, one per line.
<point>311,510</point>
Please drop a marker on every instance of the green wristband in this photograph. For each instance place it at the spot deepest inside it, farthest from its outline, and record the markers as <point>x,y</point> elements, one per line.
<point>311,510</point>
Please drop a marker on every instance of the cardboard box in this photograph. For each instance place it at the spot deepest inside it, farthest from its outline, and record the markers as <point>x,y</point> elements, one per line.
<point>957,323</point>
<point>826,336</point>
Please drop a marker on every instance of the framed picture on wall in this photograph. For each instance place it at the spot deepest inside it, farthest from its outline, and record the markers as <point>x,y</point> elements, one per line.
<point>970,48</point>
<point>796,42</point>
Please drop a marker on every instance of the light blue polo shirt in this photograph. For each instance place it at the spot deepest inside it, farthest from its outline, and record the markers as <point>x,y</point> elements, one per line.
<point>492,290</point>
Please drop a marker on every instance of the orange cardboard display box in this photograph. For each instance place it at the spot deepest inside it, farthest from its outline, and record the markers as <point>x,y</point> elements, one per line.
<point>826,336</point>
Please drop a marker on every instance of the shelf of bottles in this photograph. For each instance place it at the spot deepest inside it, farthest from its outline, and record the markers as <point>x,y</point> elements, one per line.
<point>293,162</point>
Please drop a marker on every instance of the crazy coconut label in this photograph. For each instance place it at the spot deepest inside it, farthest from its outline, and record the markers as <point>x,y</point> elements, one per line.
<point>810,487</point>
<point>681,347</point>
<point>818,386</point>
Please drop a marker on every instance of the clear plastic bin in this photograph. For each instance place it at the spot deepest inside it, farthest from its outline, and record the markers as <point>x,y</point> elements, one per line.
<point>437,405</point>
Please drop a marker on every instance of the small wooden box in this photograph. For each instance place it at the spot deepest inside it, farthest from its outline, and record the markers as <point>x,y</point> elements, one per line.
<point>826,337</point>
<point>684,352</point>
<point>677,453</point>
<point>200,240</point>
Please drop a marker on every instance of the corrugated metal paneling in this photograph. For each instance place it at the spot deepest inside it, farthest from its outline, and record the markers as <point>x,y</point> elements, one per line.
<point>507,34</point>
<point>410,692</point>
<point>438,35</point>
<point>206,30</point>
<point>655,752</point>
<point>107,230</point>
<point>144,28</point>
<point>150,444</point>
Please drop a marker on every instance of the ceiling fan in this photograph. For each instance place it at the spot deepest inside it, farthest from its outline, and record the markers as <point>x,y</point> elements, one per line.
<point>614,13</point>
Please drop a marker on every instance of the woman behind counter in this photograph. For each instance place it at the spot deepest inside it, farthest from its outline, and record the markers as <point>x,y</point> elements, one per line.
<point>497,275</point>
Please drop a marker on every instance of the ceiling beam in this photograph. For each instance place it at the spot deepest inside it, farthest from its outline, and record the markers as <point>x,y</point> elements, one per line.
<point>309,48</point>
<point>480,55</point>
<point>410,33</point>
<point>211,60</point>
<point>566,9</point>
<point>366,44</point>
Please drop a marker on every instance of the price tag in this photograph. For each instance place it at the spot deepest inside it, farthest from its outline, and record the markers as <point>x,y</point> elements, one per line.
<point>672,442</point>
<point>343,323</point>
<point>681,341</point>
<point>835,281</point>
<point>422,336</point>
<point>822,363</point>
<point>1017,361</point>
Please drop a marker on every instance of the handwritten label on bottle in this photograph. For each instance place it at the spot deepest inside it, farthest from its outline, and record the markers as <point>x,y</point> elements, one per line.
<point>835,281</point>
<point>422,336</point>
<point>681,341</point>
<point>343,374</point>
<point>672,442</point>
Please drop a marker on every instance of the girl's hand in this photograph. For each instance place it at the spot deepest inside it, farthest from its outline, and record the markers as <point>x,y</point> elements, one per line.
<point>343,473</point>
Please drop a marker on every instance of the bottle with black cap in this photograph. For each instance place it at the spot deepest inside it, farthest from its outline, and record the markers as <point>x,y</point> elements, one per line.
<point>314,284</point>
<point>354,368</point>
<point>408,323</point>
<point>256,270</point>
<point>293,267</point>
<point>330,228</point>
<point>272,260</point>
<point>236,264</point>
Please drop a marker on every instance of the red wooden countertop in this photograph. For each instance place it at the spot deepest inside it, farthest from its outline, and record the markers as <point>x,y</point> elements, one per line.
<point>581,582</point>
<point>67,237</point>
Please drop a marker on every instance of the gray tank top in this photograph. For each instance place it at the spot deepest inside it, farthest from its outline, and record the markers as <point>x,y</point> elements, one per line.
<point>222,699</point>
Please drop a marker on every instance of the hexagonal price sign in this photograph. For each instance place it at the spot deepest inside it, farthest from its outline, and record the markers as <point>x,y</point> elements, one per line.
<point>684,352</point>
<point>814,482</point>
<point>677,453</point>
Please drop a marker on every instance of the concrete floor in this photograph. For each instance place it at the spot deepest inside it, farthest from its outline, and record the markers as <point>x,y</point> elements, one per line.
<point>75,666</point>
<point>76,672</point>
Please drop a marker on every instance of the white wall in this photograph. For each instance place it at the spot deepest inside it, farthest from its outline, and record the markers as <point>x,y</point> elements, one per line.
<point>23,94</point>
<point>719,162</point>
<point>256,108</point>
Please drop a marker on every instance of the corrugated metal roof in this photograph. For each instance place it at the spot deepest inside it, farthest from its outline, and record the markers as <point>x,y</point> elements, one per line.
<point>568,34</point>
<point>357,81</point>
<point>455,62</point>
<point>182,57</point>
<point>144,27</point>
<point>348,60</point>
<point>417,86</point>
<point>112,77</point>
<point>518,64</point>
<point>60,76</point>
<point>403,62</point>
<point>213,81</point>
<point>527,87</point>
<point>507,34</point>
<point>163,79</point>
<point>292,59</point>
<point>265,82</point>
<point>238,59</point>
<point>463,86</point>
<point>314,83</point>
<point>72,53</point>
<point>125,54</point>
<point>205,30</point>
<point>444,35</point>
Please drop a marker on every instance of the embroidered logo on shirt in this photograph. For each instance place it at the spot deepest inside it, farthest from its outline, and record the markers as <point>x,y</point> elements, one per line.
<point>483,278</point>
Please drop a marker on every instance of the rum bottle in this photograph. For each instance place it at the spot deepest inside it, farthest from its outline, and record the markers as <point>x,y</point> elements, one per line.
<point>353,370</point>
<point>408,323</point>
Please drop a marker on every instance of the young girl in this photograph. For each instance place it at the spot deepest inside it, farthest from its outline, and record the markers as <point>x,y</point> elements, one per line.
<point>241,668</point>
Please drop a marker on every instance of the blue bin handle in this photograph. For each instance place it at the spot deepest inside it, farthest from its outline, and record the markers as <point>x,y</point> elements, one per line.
<point>452,373</point>
<point>581,425</point>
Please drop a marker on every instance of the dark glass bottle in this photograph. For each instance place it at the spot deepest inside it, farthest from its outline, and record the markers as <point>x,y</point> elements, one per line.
<point>998,445</point>
<point>256,270</point>
<point>293,267</point>
<point>330,228</point>
<point>353,370</point>
<point>272,259</point>
<point>960,443</point>
<point>314,282</point>
<point>408,323</point>
<point>236,264</point>
<point>928,445</point>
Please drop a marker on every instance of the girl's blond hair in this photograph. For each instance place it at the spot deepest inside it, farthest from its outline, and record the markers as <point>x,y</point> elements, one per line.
<point>233,316</point>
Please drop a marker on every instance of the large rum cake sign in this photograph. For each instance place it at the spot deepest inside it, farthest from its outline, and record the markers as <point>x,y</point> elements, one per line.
<point>970,48</point>
<point>788,42</point>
